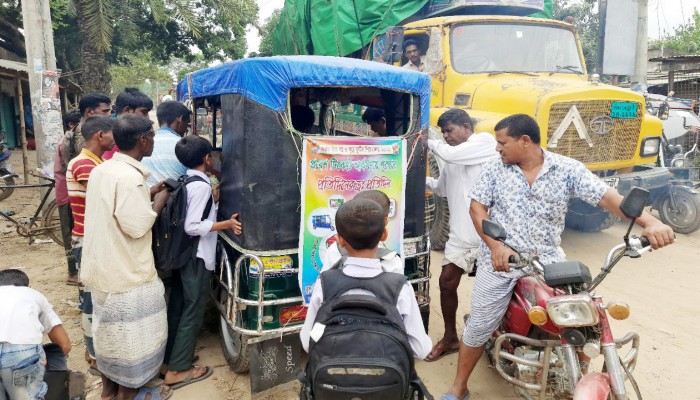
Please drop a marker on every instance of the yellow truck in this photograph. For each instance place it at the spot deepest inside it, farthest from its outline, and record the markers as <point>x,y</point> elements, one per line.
<point>495,66</point>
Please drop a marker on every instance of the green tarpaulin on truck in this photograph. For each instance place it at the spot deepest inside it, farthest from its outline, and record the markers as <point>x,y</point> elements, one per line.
<point>342,27</point>
<point>336,28</point>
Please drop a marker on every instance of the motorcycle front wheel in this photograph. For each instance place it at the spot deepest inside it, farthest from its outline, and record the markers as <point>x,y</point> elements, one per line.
<point>6,191</point>
<point>685,216</point>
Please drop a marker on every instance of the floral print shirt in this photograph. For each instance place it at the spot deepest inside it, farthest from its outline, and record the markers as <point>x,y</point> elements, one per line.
<point>534,215</point>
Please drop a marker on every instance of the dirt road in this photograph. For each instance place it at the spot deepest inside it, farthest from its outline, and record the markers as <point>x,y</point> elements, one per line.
<point>659,287</point>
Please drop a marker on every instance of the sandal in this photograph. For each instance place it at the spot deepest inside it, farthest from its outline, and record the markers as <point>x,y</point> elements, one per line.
<point>441,352</point>
<point>450,396</point>
<point>73,280</point>
<point>191,379</point>
<point>155,392</point>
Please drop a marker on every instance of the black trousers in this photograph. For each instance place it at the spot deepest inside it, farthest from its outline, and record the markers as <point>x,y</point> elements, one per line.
<point>188,295</point>
<point>66,218</point>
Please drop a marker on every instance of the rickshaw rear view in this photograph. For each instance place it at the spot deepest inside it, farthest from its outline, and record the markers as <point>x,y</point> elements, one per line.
<point>253,104</point>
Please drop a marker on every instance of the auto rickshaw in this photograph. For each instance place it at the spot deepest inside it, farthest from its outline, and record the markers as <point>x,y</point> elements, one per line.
<point>249,102</point>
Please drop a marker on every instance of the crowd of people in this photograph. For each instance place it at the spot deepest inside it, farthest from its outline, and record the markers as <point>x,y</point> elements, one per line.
<point>140,327</point>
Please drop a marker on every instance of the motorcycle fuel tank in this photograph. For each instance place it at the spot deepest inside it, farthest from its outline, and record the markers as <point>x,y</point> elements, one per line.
<point>528,293</point>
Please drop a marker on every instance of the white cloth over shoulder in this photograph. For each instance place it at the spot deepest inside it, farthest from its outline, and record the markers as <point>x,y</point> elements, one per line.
<point>25,315</point>
<point>463,164</point>
<point>407,306</point>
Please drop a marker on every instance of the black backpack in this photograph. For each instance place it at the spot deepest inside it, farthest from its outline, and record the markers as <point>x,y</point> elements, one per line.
<point>172,247</point>
<point>363,351</point>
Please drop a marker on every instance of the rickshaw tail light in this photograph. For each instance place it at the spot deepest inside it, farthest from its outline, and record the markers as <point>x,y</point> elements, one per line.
<point>292,314</point>
<point>618,310</point>
<point>537,316</point>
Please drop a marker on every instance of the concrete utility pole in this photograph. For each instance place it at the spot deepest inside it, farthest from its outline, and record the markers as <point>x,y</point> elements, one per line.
<point>43,81</point>
<point>642,56</point>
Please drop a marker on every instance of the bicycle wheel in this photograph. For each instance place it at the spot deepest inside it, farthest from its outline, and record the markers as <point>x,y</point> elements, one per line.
<point>52,219</point>
<point>6,191</point>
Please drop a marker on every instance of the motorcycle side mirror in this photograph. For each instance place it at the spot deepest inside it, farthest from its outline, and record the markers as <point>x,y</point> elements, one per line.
<point>493,230</point>
<point>634,202</point>
<point>663,111</point>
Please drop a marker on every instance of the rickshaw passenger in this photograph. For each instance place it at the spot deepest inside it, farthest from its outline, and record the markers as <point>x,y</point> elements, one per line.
<point>360,229</point>
<point>190,283</point>
<point>174,120</point>
<point>303,118</point>
<point>390,260</point>
<point>376,119</point>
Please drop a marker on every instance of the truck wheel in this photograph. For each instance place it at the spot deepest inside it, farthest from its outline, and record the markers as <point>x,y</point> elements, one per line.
<point>440,230</point>
<point>5,191</point>
<point>235,346</point>
<point>685,218</point>
<point>586,218</point>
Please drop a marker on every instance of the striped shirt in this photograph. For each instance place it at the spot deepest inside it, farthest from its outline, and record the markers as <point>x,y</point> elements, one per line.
<point>77,175</point>
<point>163,163</point>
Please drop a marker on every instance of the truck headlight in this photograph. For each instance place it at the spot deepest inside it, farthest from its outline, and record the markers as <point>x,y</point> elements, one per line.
<point>572,311</point>
<point>650,147</point>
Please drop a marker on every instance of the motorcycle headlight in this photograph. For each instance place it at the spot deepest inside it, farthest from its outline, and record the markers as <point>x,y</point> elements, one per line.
<point>572,311</point>
<point>650,147</point>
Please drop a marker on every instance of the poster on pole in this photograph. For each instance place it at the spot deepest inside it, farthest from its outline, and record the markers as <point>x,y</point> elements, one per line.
<point>334,170</point>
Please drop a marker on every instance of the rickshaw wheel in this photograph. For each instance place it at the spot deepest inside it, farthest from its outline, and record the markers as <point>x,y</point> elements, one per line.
<point>235,347</point>
<point>440,227</point>
<point>685,218</point>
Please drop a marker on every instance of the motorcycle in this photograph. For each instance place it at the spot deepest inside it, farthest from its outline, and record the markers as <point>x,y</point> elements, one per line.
<point>7,177</point>
<point>556,323</point>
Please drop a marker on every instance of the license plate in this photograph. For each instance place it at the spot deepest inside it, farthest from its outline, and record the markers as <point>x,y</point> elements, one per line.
<point>612,182</point>
<point>623,109</point>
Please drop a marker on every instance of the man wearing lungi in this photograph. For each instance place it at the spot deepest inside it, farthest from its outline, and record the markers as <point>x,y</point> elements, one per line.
<point>129,315</point>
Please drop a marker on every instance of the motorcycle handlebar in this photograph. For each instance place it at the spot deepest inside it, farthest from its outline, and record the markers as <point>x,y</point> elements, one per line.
<point>639,242</point>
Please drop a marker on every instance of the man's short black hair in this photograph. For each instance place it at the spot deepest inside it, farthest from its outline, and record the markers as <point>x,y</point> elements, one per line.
<point>361,223</point>
<point>410,42</point>
<point>191,150</point>
<point>90,101</point>
<point>128,129</point>
<point>13,277</point>
<point>378,196</point>
<point>95,124</point>
<point>169,111</point>
<point>519,125</point>
<point>134,98</point>
<point>303,117</point>
<point>456,116</point>
<point>372,114</point>
<point>71,117</point>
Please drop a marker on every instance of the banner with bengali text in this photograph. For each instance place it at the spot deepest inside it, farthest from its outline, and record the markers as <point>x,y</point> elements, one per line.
<point>334,170</point>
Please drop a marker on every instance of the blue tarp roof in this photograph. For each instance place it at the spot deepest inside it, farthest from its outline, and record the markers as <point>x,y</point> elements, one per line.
<point>268,80</point>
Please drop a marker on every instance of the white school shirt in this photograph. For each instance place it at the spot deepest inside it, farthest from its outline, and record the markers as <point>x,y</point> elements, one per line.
<point>406,304</point>
<point>25,315</point>
<point>392,264</point>
<point>198,194</point>
<point>463,164</point>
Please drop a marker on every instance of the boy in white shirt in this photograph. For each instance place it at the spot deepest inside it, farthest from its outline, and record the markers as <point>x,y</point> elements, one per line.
<point>25,317</point>
<point>390,260</point>
<point>359,220</point>
<point>464,153</point>
<point>190,283</point>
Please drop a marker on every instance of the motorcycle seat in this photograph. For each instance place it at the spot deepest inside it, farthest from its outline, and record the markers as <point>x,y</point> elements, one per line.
<point>5,155</point>
<point>566,273</point>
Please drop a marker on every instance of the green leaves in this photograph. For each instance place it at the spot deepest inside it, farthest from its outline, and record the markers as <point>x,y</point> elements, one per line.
<point>685,39</point>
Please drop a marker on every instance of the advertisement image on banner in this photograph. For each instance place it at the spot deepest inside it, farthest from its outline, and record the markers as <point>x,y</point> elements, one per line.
<point>334,170</point>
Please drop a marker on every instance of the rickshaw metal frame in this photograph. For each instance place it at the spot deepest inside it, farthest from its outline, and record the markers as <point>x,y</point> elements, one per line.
<point>234,301</point>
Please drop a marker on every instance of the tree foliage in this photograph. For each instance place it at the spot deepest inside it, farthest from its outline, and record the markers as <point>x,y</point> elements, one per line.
<point>685,38</point>
<point>266,33</point>
<point>585,15</point>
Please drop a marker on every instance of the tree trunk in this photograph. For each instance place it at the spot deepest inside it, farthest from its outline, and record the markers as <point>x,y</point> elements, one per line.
<point>95,77</point>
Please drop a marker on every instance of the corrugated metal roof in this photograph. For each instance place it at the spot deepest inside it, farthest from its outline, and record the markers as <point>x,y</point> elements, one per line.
<point>685,58</point>
<point>14,65</point>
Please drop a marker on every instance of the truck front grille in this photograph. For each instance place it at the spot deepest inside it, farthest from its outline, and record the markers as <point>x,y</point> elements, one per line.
<point>618,144</point>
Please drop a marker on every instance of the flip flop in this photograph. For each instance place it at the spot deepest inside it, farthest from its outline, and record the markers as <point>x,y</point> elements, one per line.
<point>190,379</point>
<point>450,396</point>
<point>155,393</point>
<point>442,354</point>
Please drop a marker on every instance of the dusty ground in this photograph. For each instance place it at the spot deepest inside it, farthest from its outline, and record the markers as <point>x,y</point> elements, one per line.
<point>659,287</point>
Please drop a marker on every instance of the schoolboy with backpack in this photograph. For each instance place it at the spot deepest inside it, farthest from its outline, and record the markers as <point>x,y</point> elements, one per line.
<point>189,252</point>
<point>363,327</point>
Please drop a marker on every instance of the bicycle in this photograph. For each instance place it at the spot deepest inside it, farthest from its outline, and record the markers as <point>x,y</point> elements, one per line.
<point>46,216</point>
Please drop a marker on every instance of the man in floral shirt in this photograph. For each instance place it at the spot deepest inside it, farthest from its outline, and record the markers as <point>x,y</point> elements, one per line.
<point>527,192</point>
